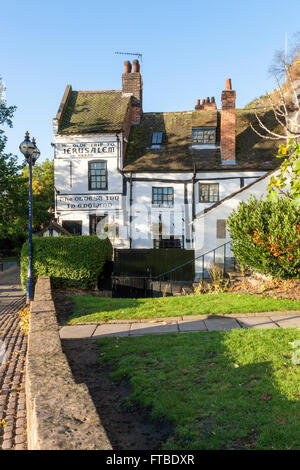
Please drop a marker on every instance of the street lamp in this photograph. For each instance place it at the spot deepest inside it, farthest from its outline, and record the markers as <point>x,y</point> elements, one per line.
<point>31,153</point>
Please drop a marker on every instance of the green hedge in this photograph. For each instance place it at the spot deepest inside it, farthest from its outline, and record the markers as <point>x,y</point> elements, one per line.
<point>266,237</point>
<point>70,261</point>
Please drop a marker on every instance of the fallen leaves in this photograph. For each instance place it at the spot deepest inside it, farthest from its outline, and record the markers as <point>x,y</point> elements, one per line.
<point>266,396</point>
<point>281,421</point>
<point>3,423</point>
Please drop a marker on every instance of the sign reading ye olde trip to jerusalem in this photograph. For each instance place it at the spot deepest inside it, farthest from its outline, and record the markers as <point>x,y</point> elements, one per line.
<point>88,201</point>
<point>88,149</point>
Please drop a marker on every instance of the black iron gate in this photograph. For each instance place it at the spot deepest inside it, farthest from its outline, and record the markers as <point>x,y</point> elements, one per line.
<point>131,287</point>
<point>154,262</point>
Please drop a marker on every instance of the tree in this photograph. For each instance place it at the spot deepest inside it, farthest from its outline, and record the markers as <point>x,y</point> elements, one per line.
<point>11,202</point>
<point>266,236</point>
<point>285,58</point>
<point>285,103</point>
<point>43,191</point>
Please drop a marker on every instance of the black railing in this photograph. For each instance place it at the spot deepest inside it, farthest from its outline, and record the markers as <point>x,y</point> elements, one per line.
<point>172,281</point>
<point>226,262</point>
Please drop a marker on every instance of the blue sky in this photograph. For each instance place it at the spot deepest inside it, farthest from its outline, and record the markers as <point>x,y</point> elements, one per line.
<point>189,49</point>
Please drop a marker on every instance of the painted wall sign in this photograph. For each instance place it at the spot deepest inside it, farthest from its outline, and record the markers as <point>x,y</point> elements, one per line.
<point>82,202</point>
<point>88,149</point>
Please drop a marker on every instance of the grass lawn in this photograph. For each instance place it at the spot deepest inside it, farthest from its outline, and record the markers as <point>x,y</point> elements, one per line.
<point>93,309</point>
<point>234,389</point>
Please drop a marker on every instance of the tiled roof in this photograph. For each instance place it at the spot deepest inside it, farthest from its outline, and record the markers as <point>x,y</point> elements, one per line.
<point>54,226</point>
<point>176,153</point>
<point>93,111</point>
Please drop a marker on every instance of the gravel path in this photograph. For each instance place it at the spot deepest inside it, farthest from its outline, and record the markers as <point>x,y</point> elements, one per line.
<point>13,344</point>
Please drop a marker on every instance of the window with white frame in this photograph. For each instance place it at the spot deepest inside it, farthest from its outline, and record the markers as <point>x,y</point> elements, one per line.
<point>208,192</point>
<point>97,175</point>
<point>157,138</point>
<point>204,135</point>
<point>162,197</point>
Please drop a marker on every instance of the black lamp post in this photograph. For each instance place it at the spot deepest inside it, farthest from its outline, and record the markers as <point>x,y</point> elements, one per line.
<point>31,153</point>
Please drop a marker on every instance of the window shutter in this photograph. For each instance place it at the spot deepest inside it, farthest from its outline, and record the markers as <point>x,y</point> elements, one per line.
<point>221,228</point>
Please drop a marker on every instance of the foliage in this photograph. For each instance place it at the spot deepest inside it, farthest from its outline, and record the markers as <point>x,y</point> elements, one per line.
<point>14,190</point>
<point>96,309</point>
<point>217,284</point>
<point>287,182</point>
<point>42,191</point>
<point>11,198</point>
<point>266,236</point>
<point>70,261</point>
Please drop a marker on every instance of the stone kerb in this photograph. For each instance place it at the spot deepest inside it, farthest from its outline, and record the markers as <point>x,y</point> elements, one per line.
<point>60,413</point>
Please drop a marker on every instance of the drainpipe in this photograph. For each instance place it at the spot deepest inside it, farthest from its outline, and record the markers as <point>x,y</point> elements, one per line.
<point>130,213</point>
<point>193,204</point>
<point>124,175</point>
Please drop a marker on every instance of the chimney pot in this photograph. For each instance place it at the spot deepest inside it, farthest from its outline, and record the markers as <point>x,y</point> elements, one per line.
<point>213,99</point>
<point>127,66</point>
<point>135,66</point>
<point>207,100</point>
<point>198,106</point>
<point>228,84</point>
<point>203,102</point>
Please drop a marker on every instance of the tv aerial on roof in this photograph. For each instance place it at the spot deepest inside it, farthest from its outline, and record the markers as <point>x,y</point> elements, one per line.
<point>138,54</point>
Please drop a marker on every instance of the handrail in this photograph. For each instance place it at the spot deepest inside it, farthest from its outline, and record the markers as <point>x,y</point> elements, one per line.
<point>190,261</point>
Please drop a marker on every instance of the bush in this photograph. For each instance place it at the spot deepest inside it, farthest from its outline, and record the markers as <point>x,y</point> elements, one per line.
<point>266,237</point>
<point>70,261</point>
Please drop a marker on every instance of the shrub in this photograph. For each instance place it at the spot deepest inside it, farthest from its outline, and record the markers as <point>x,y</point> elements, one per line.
<point>70,261</point>
<point>266,237</point>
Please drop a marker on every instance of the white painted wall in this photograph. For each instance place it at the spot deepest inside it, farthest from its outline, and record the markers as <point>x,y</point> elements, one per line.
<point>71,180</point>
<point>71,175</point>
<point>205,224</point>
<point>229,182</point>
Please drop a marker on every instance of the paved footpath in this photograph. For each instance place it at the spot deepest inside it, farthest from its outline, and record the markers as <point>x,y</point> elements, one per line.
<point>12,365</point>
<point>287,319</point>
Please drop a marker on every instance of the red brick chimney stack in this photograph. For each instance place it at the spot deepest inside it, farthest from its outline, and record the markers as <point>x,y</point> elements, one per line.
<point>208,103</point>
<point>132,84</point>
<point>228,124</point>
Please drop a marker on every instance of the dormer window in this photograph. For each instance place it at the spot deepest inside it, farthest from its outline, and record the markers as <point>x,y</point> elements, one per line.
<point>157,138</point>
<point>204,135</point>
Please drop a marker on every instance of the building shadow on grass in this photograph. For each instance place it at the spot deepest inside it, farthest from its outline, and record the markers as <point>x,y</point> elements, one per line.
<point>127,429</point>
<point>227,400</point>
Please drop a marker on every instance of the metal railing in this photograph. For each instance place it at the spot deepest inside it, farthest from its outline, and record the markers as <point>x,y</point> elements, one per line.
<point>168,282</point>
<point>202,258</point>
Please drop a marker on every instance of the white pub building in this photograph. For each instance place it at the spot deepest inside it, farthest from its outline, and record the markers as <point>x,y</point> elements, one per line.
<point>154,180</point>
